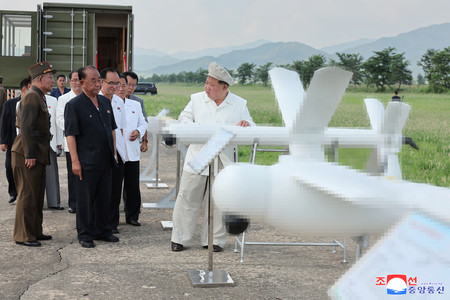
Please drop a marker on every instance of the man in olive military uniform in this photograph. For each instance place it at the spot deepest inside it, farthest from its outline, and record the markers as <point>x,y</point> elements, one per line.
<point>30,155</point>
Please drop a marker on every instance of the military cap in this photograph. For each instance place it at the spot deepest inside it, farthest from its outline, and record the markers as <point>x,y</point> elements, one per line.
<point>40,69</point>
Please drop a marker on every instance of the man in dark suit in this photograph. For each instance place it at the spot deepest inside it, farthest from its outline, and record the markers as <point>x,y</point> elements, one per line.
<point>60,89</point>
<point>396,97</point>
<point>9,133</point>
<point>89,126</point>
<point>30,156</point>
<point>3,96</point>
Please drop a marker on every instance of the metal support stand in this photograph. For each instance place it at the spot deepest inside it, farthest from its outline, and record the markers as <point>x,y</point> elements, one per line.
<point>210,277</point>
<point>143,177</point>
<point>361,242</point>
<point>239,245</point>
<point>157,184</point>
<point>169,200</point>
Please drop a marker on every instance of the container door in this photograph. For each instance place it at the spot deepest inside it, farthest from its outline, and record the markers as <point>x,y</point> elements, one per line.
<point>64,38</point>
<point>18,45</point>
<point>112,41</point>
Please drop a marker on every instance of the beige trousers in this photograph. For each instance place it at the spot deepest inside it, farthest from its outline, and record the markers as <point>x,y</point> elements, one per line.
<point>188,206</point>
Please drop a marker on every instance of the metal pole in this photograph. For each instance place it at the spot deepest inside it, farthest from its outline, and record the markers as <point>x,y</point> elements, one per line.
<point>210,219</point>
<point>71,41</point>
<point>177,185</point>
<point>157,160</point>
<point>84,35</point>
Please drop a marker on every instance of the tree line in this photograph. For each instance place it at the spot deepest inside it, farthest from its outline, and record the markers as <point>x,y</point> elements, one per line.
<point>384,69</point>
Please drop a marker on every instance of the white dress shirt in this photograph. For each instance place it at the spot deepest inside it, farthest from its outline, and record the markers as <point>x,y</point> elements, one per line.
<point>57,133</point>
<point>202,110</point>
<point>134,120</point>
<point>62,101</point>
<point>119,116</point>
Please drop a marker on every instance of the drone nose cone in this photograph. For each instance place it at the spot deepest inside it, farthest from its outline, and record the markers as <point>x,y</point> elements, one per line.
<point>242,189</point>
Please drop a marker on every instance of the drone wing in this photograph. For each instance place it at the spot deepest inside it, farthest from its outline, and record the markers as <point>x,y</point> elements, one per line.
<point>288,92</point>
<point>342,183</point>
<point>322,98</point>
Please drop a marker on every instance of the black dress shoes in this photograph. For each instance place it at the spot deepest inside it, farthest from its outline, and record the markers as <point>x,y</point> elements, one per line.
<point>87,244</point>
<point>59,207</point>
<point>12,199</point>
<point>176,247</point>
<point>44,237</point>
<point>115,231</point>
<point>72,210</point>
<point>134,223</point>
<point>110,239</point>
<point>216,248</point>
<point>29,244</point>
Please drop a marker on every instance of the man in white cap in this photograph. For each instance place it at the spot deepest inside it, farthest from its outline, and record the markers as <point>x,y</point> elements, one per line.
<point>216,105</point>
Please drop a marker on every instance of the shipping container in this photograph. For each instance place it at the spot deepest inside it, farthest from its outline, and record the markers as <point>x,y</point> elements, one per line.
<point>66,35</point>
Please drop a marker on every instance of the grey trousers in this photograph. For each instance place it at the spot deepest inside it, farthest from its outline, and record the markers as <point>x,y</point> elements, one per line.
<point>52,182</point>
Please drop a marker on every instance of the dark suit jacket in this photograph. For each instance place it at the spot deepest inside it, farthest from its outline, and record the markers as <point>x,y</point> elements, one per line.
<point>33,121</point>
<point>56,92</point>
<point>92,129</point>
<point>8,127</point>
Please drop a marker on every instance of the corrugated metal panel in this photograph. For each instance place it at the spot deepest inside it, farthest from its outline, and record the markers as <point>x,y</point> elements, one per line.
<point>66,39</point>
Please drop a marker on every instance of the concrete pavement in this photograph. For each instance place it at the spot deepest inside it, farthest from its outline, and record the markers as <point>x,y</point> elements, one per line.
<point>141,265</point>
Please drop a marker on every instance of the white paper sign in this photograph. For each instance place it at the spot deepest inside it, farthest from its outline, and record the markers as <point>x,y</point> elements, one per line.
<point>410,262</point>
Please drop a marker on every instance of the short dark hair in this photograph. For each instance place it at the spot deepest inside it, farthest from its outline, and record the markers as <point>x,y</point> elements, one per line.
<point>105,71</point>
<point>81,71</point>
<point>25,82</point>
<point>61,75</point>
<point>132,75</point>
<point>71,73</point>
<point>223,82</point>
<point>124,77</point>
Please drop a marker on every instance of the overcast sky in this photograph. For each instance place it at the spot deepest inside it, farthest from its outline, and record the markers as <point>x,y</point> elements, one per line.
<point>187,25</point>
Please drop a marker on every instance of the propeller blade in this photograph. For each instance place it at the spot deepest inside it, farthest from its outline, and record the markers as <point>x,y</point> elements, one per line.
<point>395,117</point>
<point>375,110</point>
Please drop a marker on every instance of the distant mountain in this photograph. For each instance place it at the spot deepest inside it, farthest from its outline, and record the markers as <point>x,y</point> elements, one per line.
<point>414,44</point>
<point>344,46</point>
<point>152,52</point>
<point>277,53</point>
<point>148,62</point>
<point>217,51</point>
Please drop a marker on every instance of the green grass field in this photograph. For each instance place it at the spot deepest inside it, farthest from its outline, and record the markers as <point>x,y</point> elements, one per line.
<point>428,125</point>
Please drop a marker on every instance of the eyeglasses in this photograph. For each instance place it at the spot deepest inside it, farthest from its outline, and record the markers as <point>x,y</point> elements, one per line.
<point>111,82</point>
